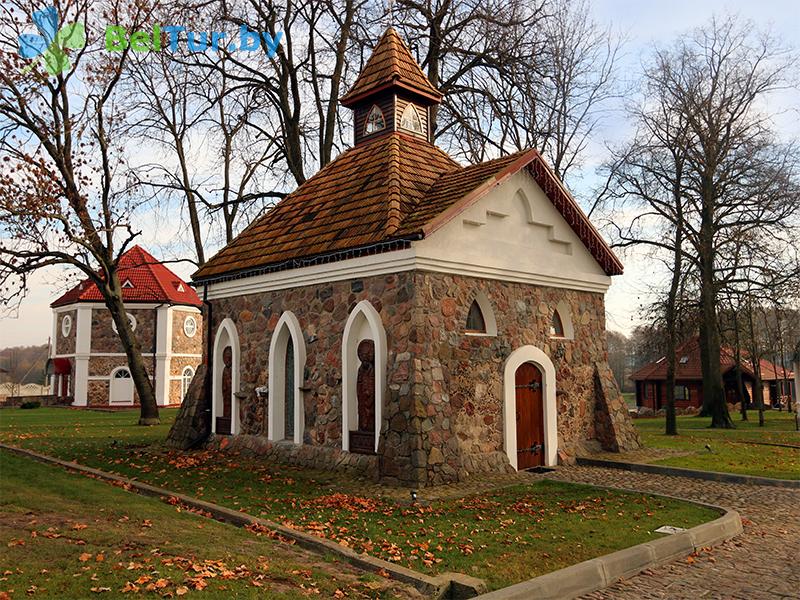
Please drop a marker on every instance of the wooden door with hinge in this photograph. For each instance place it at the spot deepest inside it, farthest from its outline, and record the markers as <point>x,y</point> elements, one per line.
<point>530,416</point>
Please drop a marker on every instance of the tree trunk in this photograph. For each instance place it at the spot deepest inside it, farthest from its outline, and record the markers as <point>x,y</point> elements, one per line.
<point>671,427</point>
<point>739,380</point>
<point>148,411</point>
<point>713,393</point>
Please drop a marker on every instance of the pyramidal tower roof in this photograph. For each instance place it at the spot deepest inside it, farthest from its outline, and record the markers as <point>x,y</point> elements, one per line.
<point>391,65</point>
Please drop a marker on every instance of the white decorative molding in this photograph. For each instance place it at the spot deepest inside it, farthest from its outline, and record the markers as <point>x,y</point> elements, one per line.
<point>394,262</point>
<point>288,326</point>
<point>364,323</point>
<point>520,356</point>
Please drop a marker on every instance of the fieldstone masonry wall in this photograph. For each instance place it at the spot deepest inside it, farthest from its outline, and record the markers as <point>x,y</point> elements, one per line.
<point>443,410</point>
<point>105,339</point>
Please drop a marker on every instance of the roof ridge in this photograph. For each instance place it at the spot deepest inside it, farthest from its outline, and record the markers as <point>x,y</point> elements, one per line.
<point>394,214</point>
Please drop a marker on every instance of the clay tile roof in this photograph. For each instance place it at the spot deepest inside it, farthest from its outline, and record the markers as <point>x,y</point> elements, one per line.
<point>150,281</point>
<point>356,200</point>
<point>390,64</point>
<point>689,367</point>
<point>398,187</point>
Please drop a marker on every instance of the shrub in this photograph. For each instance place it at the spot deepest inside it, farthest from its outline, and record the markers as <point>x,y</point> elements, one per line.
<point>30,404</point>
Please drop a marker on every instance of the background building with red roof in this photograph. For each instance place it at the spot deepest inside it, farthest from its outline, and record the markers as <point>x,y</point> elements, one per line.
<point>87,361</point>
<point>405,315</point>
<point>651,379</point>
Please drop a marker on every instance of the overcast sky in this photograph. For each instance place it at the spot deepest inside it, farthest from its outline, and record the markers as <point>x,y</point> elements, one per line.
<point>645,24</point>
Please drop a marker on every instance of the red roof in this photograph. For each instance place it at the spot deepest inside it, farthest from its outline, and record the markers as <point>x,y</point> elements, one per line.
<point>688,365</point>
<point>143,279</point>
<point>390,65</point>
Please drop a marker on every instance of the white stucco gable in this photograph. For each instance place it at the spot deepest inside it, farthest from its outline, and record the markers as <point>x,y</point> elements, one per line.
<point>513,233</point>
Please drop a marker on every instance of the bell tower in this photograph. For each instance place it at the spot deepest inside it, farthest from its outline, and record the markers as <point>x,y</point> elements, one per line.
<point>391,94</point>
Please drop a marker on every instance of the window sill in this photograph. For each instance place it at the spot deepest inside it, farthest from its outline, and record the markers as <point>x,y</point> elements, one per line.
<point>479,334</point>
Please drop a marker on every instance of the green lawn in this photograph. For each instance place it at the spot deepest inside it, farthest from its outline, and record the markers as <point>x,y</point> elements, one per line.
<point>630,399</point>
<point>503,536</point>
<point>67,536</point>
<point>739,450</point>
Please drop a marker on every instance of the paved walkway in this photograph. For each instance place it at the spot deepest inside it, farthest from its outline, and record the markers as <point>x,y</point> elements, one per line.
<point>763,562</point>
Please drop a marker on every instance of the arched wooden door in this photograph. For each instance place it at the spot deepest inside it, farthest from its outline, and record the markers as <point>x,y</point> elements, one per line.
<point>530,416</point>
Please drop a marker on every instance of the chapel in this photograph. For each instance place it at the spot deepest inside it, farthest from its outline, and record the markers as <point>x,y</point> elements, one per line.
<point>404,315</point>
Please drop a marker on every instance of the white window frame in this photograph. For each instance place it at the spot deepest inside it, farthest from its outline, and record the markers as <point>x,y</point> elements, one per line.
<point>184,383</point>
<point>193,321</point>
<point>131,320</point>
<point>66,325</point>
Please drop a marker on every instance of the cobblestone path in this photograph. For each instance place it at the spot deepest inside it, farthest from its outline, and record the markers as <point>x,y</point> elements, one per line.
<point>763,562</point>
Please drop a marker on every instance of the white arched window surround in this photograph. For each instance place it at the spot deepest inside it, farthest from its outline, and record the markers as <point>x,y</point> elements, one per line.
<point>488,316</point>
<point>565,314</point>
<point>186,379</point>
<point>364,323</point>
<point>530,354</point>
<point>287,326</point>
<point>226,335</point>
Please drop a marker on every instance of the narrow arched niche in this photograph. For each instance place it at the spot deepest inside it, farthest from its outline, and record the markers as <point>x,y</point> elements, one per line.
<point>287,360</point>
<point>364,323</point>
<point>226,337</point>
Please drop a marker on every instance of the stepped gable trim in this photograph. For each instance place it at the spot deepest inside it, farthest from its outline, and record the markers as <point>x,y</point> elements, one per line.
<point>556,193</point>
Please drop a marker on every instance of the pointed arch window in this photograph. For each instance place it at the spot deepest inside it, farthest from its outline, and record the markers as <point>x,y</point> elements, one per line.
<point>410,119</point>
<point>556,325</point>
<point>475,321</point>
<point>480,317</point>
<point>375,121</point>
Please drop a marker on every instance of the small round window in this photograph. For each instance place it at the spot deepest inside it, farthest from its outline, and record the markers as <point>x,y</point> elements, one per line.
<point>66,325</point>
<point>131,320</point>
<point>190,326</point>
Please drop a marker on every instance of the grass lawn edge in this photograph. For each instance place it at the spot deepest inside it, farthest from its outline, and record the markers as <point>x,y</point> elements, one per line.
<point>642,556</point>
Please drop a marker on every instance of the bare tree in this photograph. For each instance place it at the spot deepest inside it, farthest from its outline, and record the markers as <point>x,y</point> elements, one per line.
<point>64,198</point>
<point>739,184</point>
